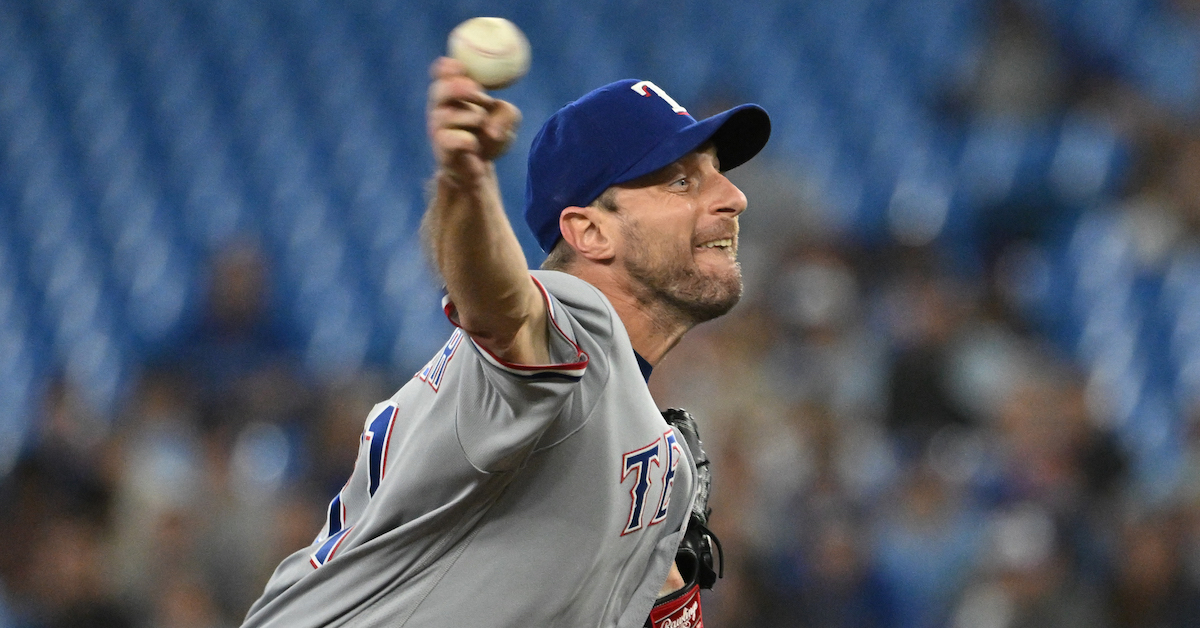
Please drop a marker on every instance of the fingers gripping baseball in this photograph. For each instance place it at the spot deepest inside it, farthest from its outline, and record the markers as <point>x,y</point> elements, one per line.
<point>466,126</point>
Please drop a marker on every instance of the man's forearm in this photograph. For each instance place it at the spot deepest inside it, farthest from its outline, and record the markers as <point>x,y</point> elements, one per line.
<point>484,267</point>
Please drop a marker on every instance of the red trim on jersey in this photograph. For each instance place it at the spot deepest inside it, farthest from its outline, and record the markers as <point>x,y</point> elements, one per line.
<point>570,369</point>
<point>334,550</point>
<point>313,559</point>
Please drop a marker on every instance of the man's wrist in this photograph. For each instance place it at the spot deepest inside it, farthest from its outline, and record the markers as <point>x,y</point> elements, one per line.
<point>464,181</point>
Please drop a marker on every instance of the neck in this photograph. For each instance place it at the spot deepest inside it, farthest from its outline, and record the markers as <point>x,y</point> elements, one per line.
<point>652,330</point>
<point>654,327</point>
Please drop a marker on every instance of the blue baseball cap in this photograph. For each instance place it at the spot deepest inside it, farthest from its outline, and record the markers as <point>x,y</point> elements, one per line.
<point>617,133</point>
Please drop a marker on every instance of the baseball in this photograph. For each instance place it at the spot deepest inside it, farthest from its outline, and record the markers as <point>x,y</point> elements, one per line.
<point>494,49</point>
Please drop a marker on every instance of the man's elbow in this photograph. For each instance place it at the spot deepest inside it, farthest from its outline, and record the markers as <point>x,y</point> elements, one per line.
<point>517,340</point>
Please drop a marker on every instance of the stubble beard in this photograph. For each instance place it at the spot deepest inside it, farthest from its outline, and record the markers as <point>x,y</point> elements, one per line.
<point>676,283</point>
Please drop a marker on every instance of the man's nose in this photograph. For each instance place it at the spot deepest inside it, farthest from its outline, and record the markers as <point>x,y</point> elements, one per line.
<point>728,199</point>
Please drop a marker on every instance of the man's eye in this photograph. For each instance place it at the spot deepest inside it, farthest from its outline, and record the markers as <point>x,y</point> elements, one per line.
<point>681,182</point>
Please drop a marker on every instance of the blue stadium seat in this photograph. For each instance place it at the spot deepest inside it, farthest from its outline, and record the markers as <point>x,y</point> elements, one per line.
<point>20,373</point>
<point>1101,259</point>
<point>50,222</point>
<point>1178,307</point>
<point>1103,26</point>
<point>99,367</point>
<point>156,286</point>
<point>1086,160</point>
<point>136,137</point>
<point>1164,56</point>
<point>339,337</point>
<point>990,160</point>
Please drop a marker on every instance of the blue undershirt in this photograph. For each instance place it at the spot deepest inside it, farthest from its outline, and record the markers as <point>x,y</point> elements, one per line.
<point>644,366</point>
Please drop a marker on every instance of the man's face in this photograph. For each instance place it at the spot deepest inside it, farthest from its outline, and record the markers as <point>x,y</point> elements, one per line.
<point>678,232</point>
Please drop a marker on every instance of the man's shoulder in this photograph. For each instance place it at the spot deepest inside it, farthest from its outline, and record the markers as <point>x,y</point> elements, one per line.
<point>573,291</point>
<point>584,302</point>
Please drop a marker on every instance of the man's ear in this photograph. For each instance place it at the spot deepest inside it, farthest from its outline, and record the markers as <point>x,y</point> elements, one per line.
<point>588,231</point>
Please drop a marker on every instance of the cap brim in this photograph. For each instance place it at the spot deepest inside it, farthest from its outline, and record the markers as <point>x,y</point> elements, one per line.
<point>738,134</point>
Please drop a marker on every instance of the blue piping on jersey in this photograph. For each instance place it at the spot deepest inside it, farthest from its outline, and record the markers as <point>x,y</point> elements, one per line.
<point>645,366</point>
<point>540,375</point>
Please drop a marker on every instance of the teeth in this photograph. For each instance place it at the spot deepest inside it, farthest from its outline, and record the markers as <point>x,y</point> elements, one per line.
<point>715,243</point>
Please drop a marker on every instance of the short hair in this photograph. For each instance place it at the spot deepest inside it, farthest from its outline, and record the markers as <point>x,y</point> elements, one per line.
<point>562,255</point>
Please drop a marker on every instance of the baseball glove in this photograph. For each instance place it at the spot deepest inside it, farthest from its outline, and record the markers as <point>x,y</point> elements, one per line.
<point>695,558</point>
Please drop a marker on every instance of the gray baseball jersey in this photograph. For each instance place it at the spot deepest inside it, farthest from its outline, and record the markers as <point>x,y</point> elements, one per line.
<point>494,494</point>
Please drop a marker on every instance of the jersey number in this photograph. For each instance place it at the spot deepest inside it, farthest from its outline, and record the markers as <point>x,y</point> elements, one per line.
<point>377,436</point>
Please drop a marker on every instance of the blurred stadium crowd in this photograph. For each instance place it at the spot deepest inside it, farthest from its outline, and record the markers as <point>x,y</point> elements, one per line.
<point>961,389</point>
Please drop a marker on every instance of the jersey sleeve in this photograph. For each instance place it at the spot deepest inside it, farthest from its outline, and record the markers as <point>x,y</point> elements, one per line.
<point>505,408</point>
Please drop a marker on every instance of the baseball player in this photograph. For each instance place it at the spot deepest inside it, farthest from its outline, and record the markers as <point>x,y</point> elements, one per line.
<point>525,476</point>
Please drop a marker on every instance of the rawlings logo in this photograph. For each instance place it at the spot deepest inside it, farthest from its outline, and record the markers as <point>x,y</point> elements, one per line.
<point>686,618</point>
<point>683,612</point>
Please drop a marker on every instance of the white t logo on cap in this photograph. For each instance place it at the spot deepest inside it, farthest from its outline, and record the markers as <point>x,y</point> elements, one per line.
<point>641,87</point>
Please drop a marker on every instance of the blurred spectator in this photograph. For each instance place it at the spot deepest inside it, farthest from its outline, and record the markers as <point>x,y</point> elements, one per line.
<point>69,586</point>
<point>820,571</point>
<point>1150,587</point>
<point>58,506</point>
<point>238,355</point>
<point>160,479</point>
<point>1026,581</point>
<point>236,334</point>
<point>183,602</point>
<point>827,353</point>
<point>925,547</point>
<point>1184,184</point>
<point>334,427</point>
<point>1019,73</point>
<point>925,309</point>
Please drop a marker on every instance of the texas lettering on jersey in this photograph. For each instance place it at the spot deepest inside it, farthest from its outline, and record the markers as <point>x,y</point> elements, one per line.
<point>436,368</point>
<point>637,464</point>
